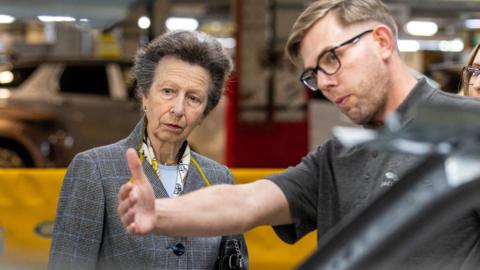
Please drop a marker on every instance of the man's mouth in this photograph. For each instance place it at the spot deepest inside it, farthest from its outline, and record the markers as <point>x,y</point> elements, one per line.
<point>342,101</point>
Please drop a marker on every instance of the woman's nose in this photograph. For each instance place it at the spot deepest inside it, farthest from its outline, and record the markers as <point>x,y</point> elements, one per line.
<point>178,106</point>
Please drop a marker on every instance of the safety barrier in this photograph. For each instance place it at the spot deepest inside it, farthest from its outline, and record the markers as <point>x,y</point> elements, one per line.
<point>28,201</point>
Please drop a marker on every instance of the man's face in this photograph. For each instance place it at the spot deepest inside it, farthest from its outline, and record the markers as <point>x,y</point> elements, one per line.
<point>359,88</point>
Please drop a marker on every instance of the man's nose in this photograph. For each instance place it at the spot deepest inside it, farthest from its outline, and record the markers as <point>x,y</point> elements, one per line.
<point>325,82</point>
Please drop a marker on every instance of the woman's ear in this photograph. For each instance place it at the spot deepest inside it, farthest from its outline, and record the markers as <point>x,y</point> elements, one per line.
<point>144,104</point>
<point>385,39</point>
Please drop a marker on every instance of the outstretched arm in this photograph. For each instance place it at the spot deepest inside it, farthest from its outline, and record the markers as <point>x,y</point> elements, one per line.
<point>216,210</point>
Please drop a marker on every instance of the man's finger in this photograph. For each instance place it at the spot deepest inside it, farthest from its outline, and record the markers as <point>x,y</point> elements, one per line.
<point>135,165</point>
<point>124,205</point>
<point>128,217</point>
<point>132,228</point>
<point>124,191</point>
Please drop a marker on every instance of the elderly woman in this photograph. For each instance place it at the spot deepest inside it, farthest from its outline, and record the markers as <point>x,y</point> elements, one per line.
<point>471,75</point>
<point>181,77</point>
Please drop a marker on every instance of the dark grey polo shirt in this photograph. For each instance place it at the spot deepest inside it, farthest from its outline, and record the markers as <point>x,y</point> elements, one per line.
<point>332,182</point>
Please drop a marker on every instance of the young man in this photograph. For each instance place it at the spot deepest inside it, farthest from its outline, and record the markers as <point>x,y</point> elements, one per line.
<point>348,49</point>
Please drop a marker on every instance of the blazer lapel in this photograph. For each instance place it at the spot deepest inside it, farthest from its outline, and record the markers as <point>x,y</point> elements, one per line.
<point>157,184</point>
<point>133,141</point>
<point>194,180</point>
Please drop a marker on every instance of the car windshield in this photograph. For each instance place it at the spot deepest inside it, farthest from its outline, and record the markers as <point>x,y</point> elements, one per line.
<point>15,77</point>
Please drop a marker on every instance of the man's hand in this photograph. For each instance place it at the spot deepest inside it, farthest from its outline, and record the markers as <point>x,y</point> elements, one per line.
<point>136,201</point>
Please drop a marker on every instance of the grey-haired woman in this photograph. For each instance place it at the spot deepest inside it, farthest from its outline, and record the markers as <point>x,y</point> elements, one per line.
<point>181,77</point>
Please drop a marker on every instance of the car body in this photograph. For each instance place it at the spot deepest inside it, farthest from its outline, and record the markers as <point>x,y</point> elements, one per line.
<point>51,109</point>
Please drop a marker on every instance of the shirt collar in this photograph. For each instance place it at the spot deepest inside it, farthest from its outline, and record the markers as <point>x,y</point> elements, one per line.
<point>418,95</point>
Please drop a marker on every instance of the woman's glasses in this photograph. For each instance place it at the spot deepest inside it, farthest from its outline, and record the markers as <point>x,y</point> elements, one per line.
<point>468,72</point>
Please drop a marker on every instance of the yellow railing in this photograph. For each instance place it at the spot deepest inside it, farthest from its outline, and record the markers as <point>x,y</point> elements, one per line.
<point>28,201</point>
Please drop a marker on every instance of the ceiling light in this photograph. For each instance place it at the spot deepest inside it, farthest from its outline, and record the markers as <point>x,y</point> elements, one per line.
<point>408,45</point>
<point>143,22</point>
<point>48,18</point>
<point>177,23</point>
<point>421,28</point>
<point>6,19</point>
<point>455,45</point>
<point>6,77</point>
<point>472,23</point>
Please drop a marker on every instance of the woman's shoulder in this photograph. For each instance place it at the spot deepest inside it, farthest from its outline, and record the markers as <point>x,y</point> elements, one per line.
<point>209,165</point>
<point>215,172</point>
<point>103,162</point>
<point>108,150</point>
<point>203,160</point>
<point>111,152</point>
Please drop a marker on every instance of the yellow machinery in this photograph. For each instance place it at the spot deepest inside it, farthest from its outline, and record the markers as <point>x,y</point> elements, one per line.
<point>28,202</point>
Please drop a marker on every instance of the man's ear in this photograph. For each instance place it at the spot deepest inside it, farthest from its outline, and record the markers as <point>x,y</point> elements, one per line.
<point>385,40</point>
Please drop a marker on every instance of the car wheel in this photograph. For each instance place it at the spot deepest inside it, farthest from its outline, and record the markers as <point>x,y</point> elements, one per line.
<point>12,158</point>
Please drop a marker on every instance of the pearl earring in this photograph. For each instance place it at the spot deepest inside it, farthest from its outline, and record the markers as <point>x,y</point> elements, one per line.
<point>145,109</point>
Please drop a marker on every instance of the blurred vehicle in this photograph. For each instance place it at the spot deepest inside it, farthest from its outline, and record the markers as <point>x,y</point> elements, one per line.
<point>51,109</point>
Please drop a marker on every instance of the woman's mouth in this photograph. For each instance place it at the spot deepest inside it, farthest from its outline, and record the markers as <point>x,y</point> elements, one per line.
<point>173,127</point>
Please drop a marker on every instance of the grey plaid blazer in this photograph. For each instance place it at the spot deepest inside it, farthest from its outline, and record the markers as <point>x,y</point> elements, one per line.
<point>88,234</point>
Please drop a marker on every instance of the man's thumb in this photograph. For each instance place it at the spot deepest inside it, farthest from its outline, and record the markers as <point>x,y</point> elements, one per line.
<point>135,165</point>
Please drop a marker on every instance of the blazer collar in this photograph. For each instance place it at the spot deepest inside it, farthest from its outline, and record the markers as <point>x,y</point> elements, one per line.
<point>193,179</point>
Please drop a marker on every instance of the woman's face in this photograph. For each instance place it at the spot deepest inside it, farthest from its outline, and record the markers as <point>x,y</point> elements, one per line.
<point>176,100</point>
<point>474,82</point>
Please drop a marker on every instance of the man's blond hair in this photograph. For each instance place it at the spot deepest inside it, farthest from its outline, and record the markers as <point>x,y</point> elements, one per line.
<point>347,11</point>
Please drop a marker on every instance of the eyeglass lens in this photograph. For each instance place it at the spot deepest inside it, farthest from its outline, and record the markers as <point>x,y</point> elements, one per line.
<point>473,71</point>
<point>328,63</point>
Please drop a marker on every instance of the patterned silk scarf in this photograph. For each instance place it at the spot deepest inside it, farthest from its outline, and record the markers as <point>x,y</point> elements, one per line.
<point>182,164</point>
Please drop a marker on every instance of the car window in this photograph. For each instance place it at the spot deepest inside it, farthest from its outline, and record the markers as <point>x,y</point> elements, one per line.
<point>90,80</point>
<point>15,77</point>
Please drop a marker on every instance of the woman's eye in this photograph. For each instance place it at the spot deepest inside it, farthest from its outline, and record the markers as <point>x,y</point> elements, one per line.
<point>194,99</point>
<point>167,90</point>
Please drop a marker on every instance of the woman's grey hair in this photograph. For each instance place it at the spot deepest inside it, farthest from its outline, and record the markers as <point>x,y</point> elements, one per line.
<point>189,46</point>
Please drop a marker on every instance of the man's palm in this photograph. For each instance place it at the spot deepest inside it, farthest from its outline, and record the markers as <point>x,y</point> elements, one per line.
<point>141,196</point>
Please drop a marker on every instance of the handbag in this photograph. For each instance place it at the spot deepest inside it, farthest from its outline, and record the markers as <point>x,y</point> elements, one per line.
<point>230,257</point>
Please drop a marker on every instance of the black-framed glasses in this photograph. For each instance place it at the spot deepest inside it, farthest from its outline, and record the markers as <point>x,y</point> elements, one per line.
<point>328,62</point>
